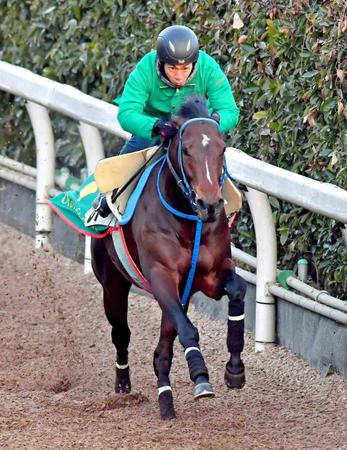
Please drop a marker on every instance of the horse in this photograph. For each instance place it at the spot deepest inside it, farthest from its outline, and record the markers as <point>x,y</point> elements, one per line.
<point>179,239</point>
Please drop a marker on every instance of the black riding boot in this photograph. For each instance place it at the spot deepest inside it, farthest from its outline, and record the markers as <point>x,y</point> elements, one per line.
<point>100,206</point>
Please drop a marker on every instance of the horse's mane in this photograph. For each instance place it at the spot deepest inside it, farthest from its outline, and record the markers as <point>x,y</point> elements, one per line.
<point>195,105</point>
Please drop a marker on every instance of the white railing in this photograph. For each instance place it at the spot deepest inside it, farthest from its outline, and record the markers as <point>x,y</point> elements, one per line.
<point>61,98</point>
<point>260,178</point>
<point>323,198</point>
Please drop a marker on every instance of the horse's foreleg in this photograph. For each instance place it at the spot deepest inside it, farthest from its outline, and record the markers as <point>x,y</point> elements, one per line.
<point>234,371</point>
<point>166,294</point>
<point>162,360</point>
<point>197,368</point>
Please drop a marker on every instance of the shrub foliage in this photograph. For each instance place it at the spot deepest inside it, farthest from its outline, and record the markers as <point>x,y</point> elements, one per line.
<point>286,60</point>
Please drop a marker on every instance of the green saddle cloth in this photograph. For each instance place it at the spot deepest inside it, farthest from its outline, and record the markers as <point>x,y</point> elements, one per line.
<point>74,206</point>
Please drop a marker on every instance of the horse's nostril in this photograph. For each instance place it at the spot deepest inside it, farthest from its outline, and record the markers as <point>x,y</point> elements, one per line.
<point>201,204</point>
<point>210,207</point>
<point>217,206</point>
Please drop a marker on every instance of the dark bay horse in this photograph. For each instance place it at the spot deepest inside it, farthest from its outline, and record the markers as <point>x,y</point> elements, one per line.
<point>181,205</point>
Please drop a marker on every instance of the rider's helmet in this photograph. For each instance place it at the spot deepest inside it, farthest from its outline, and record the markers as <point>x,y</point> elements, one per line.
<point>177,45</point>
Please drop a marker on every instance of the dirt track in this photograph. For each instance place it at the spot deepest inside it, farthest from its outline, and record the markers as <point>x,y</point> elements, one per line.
<point>56,374</point>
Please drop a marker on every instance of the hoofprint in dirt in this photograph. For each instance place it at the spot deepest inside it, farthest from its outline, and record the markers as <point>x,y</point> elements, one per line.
<point>57,374</point>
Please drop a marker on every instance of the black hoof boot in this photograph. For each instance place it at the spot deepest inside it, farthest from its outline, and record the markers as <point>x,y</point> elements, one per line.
<point>235,378</point>
<point>167,410</point>
<point>122,383</point>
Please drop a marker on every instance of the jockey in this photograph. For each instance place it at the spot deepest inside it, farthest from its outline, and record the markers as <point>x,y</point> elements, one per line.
<point>160,82</point>
<point>158,86</point>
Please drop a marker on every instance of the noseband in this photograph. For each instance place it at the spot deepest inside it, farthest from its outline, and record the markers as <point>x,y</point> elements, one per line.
<point>182,181</point>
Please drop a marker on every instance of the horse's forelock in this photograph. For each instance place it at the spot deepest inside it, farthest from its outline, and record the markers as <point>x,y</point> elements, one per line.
<point>194,105</point>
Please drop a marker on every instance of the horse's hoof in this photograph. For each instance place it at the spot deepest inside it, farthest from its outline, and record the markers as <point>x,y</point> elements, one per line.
<point>234,380</point>
<point>122,383</point>
<point>168,415</point>
<point>122,388</point>
<point>167,410</point>
<point>203,390</point>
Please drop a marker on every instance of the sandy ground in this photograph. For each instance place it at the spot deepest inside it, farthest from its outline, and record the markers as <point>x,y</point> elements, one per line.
<point>56,374</point>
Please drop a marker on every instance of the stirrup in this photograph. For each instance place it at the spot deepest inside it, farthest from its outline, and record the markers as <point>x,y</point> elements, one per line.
<point>100,206</point>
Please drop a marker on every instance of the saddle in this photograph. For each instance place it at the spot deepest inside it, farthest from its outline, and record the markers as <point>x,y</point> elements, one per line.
<point>118,176</point>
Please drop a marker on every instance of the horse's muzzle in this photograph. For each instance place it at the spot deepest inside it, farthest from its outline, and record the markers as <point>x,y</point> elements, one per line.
<point>208,212</point>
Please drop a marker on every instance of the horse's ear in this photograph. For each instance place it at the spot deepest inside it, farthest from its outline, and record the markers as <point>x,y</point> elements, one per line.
<point>177,120</point>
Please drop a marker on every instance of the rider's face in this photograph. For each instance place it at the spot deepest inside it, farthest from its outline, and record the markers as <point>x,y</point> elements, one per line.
<point>179,73</point>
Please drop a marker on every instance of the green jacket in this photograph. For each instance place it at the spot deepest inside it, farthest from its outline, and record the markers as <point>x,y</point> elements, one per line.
<point>146,98</point>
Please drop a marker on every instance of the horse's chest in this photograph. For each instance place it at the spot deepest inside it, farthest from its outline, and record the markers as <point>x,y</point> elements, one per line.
<point>212,258</point>
<point>207,259</point>
<point>209,277</point>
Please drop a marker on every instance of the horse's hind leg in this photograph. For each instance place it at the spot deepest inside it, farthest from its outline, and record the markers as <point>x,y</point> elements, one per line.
<point>115,289</point>
<point>234,376</point>
<point>116,309</point>
<point>162,360</point>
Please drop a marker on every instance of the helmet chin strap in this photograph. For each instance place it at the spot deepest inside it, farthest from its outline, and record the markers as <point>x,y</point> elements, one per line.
<point>163,77</point>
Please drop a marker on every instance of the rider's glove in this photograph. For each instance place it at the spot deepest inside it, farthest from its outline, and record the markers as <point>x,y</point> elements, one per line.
<point>165,129</point>
<point>215,116</point>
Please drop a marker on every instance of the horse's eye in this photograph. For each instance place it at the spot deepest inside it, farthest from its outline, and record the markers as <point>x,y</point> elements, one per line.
<point>185,151</point>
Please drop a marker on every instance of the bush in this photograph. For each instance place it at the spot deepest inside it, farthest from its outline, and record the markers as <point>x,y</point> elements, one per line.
<point>287,64</point>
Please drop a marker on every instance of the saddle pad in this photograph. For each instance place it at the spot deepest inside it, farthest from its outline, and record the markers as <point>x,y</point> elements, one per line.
<point>74,208</point>
<point>112,173</point>
<point>118,207</point>
<point>232,197</point>
<point>126,260</point>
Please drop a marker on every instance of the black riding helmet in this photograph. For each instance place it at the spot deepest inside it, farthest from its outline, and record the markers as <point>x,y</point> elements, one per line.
<point>177,45</point>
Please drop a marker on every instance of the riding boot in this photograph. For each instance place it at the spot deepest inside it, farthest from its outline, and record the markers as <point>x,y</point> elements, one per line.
<point>100,206</point>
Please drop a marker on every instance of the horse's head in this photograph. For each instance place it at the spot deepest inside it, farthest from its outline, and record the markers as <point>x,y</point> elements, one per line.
<point>199,157</point>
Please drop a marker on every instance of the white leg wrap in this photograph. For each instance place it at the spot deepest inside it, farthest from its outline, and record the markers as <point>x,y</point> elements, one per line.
<point>122,366</point>
<point>236,318</point>
<point>189,349</point>
<point>163,389</point>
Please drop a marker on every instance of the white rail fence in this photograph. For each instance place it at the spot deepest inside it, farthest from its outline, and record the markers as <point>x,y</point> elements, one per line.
<point>261,179</point>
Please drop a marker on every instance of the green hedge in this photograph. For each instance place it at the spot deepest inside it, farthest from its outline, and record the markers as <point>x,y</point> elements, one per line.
<point>286,60</point>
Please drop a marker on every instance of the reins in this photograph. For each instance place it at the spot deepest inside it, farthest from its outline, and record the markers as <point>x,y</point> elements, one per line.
<point>197,239</point>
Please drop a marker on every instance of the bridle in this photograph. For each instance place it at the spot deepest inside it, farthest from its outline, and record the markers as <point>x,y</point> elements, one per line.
<point>189,193</point>
<point>182,181</point>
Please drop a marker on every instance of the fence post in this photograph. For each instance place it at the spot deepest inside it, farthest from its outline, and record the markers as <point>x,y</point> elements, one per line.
<point>45,163</point>
<point>94,151</point>
<point>265,318</point>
